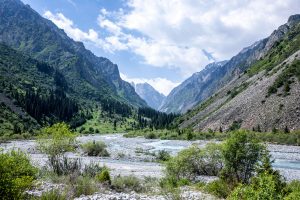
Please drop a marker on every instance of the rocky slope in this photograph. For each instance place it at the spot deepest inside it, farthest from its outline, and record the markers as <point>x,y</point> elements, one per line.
<point>152,97</point>
<point>263,95</point>
<point>89,76</point>
<point>193,90</point>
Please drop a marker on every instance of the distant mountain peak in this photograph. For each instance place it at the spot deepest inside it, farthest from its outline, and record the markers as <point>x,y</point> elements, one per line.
<point>147,92</point>
<point>293,19</point>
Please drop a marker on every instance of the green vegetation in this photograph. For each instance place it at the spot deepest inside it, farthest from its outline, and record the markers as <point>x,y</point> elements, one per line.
<point>293,190</point>
<point>16,174</point>
<point>53,195</point>
<point>100,122</point>
<point>241,154</point>
<point>218,188</point>
<point>276,136</point>
<point>279,52</point>
<point>84,185</point>
<point>284,79</point>
<point>14,125</point>
<point>126,184</point>
<point>194,161</point>
<point>242,164</point>
<point>95,149</point>
<point>104,177</point>
<point>163,155</point>
<point>57,139</point>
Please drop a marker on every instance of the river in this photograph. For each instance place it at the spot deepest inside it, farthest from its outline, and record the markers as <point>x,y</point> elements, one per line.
<point>135,155</point>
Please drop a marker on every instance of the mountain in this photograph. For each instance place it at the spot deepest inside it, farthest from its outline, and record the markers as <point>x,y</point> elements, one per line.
<point>152,97</point>
<point>89,77</point>
<point>260,89</point>
<point>193,90</point>
<point>188,94</point>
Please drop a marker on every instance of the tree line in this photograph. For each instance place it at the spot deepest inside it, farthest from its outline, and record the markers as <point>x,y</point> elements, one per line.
<point>148,117</point>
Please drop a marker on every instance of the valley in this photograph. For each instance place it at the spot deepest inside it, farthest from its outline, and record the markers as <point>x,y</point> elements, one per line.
<point>72,128</point>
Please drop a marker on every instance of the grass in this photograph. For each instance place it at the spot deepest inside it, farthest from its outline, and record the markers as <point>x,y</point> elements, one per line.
<point>280,51</point>
<point>276,136</point>
<point>100,124</point>
<point>53,195</point>
<point>95,149</point>
<point>153,134</point>
<point>284,79</point>
<point>127,183</point>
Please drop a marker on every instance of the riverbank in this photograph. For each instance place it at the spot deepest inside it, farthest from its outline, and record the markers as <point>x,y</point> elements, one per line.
<point>137,155</point>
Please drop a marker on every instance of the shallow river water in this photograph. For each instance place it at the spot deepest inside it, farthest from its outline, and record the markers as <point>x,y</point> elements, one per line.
<point>135,155</point>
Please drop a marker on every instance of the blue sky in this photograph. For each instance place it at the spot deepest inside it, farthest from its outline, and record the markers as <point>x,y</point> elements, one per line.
<point>163,42</point>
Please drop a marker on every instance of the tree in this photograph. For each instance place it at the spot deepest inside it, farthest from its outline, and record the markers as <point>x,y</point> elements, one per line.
<point>241,154</point>
<point>57,139</point>
<point>115,124</point>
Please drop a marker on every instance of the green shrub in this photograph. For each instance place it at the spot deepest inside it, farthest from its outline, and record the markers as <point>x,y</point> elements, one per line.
<point>95,149</point>
<point>151,135</point>
<point>16,174</point>
<point>53,195</point>
<point>163,155</point>
<point>192,162</point>
<point>84,186</point>
<point>64,166</point>
<point>57,139</point>
<point>92,169</point>
<point>127,184</point>
<point>104,176</point>
<point>293,190</point>
<point>261,187</point>
<point>218,188</point>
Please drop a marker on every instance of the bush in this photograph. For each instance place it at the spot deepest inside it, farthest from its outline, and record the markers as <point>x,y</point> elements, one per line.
<point>64,166</point>
<point>151,135</point>
<point>293,190</point>
<point>84,186</point>
<point>163,155</point>
<point>127,184</point>
<point>218,188</point>
<point>16,174</point>
<point>241,154</point>
<point>192,162</point>
<point>53,195</point>
<point>104,176</point>
<point>261,187</point>
<point>95,149</point>
<point>92,169</point>
<point>57,139</point>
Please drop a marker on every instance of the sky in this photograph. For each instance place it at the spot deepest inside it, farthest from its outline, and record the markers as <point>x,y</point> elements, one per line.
<point>163,42</point>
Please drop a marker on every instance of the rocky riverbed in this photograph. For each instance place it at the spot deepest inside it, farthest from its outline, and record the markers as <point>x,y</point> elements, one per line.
<point>137,156</point>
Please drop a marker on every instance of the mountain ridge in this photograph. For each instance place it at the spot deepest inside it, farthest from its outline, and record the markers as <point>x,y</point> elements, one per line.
<point>147,92</point>
<point>260,96</point>
<point>25,30</point>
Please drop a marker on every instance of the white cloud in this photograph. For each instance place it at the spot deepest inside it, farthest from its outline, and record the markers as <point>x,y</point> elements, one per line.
<point>72,3</point>
<point>174,32</point>
<point>162,85</point>
<point>75,33</point>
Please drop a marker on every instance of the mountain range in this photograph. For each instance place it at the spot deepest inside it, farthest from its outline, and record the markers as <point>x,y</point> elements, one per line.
<point>194,89</point>
<point>152,97</point>
<point>258,88</point>
<point>48,77</point>
<point>89,76</point>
